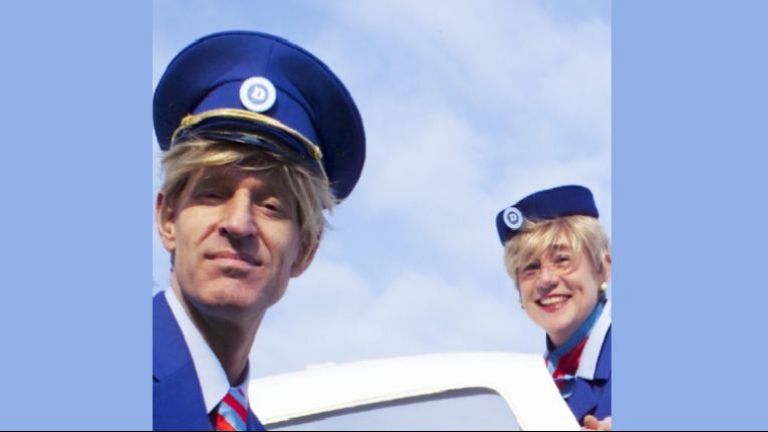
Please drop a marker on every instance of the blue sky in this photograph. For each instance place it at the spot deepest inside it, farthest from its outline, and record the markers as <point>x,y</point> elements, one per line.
<point>468,106</point>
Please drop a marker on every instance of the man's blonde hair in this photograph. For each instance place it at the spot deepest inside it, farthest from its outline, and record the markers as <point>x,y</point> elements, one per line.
<point>535,238</point>
<point>311,190</point>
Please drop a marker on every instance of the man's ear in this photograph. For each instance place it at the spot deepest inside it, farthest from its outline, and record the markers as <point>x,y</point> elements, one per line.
<point>307,254</point>
<point>164,218</point>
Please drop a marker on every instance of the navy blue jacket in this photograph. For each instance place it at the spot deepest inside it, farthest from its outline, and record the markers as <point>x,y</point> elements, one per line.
<point>177,400</point>
<point>594,396</point>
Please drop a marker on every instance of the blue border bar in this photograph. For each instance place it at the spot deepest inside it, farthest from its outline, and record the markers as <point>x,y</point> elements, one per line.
<point>689,185</point>
<point>76,215</point>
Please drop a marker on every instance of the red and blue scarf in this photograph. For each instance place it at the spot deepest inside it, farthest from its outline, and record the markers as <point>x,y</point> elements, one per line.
<point>563,361</point>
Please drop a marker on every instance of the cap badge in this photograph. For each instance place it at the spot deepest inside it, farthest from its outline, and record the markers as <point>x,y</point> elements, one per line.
<point>257,94</point>
<point>513,218</point>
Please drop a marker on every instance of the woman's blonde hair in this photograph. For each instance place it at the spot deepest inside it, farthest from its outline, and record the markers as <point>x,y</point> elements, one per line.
<point>311,190</point>
<point>535,238</point>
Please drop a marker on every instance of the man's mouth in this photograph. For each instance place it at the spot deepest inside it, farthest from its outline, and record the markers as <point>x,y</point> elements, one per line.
<point>237,256</point>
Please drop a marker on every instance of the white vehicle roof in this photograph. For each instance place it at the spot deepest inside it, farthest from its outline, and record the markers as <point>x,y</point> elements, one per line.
<point>522,380</point>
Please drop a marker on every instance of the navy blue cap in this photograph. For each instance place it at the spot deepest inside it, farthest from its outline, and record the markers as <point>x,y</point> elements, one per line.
<point>262,90</point>
<point>544,205</point>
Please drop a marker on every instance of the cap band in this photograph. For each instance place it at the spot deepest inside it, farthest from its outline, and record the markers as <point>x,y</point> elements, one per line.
<point>192,120</point>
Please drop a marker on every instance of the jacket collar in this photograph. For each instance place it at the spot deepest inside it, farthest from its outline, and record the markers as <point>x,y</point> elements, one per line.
<point>590,357</point>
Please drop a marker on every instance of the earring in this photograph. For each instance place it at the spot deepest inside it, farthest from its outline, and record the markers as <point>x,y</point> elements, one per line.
<point>522,306</point>
<point>604,286</point>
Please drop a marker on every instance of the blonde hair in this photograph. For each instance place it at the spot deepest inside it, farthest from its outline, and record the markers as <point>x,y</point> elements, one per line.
<point>312,191</point>
<point>535,238</point>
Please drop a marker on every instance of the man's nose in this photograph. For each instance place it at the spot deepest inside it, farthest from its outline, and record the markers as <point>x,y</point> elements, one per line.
<point>238,219</point>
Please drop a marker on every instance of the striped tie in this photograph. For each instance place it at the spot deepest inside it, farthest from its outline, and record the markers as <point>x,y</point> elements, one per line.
<point>232,414</point>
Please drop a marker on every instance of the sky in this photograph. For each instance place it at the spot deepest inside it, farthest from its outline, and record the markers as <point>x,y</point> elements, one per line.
<point>468,107</point>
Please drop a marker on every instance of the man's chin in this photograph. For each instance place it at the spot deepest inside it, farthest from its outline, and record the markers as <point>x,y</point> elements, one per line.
<point>232,298</point>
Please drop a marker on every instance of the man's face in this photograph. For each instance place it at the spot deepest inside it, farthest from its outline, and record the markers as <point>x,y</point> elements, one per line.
<point>235,239</point>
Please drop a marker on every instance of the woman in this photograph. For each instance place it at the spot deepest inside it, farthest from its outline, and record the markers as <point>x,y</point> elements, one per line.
<point>559,257</point>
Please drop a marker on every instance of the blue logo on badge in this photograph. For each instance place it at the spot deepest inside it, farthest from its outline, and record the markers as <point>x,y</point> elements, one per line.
<point>258,94</point>
<point>512,218</point>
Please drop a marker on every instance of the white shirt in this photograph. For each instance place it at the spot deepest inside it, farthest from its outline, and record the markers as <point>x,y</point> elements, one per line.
<point>213,379</point>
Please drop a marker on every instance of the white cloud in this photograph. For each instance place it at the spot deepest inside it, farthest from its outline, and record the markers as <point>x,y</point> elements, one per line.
<point>468,106</point>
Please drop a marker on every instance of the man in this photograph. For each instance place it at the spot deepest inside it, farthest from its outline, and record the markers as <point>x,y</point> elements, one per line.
<point>260,136</point>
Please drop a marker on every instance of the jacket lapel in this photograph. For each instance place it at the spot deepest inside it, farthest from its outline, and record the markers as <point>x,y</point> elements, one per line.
<point>587,395</point>
<point>177,400</point>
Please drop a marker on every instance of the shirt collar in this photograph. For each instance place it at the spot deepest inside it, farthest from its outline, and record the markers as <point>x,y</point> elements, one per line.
<point>213,379</point>
<point>591,353</point>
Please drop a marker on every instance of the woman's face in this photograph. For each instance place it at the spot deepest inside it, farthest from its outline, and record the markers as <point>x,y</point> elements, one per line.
<point>559,289</point>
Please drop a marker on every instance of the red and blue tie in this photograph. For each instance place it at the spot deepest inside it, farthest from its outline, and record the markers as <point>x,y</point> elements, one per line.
<point>232,414</point>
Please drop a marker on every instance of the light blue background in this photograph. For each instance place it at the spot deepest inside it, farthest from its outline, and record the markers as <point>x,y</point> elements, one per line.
<point>689,202</point>
<point>688,171</point>
<point>75,83</point>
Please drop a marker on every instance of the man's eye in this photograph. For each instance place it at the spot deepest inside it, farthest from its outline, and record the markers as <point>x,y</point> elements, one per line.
<point>210,194</point>
<point>273,207</point>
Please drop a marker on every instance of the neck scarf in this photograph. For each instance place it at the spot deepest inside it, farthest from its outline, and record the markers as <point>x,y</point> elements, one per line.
<point>563,361</point>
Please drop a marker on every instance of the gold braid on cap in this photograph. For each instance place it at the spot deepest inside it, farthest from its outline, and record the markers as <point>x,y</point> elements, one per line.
<point>193,119</point>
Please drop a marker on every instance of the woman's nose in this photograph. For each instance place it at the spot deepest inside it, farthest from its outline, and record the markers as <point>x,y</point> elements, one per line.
<point>547,277</point>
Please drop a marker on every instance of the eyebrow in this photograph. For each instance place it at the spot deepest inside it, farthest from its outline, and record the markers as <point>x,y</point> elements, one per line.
<point>209,179</point>
<point>217,177</point>
<point>560,246</point>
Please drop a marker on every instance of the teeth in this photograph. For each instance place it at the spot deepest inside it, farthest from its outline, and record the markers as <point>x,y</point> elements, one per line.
<point>552,300</point>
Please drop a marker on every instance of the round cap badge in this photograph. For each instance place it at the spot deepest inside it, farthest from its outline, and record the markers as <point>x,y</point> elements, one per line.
<point>513,218</point>
<point>258,94</point>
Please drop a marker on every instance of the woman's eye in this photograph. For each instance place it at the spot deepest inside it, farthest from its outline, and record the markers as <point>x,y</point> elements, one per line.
<point>532,267</point>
